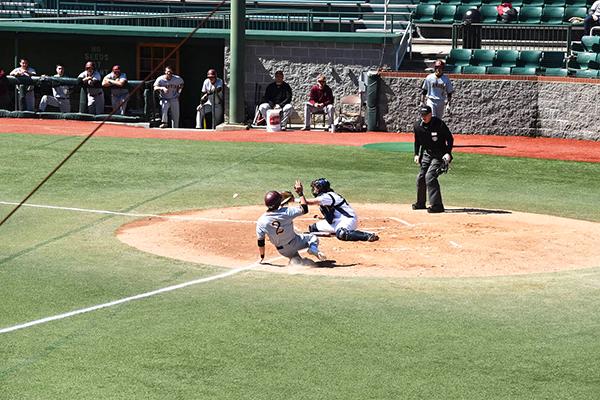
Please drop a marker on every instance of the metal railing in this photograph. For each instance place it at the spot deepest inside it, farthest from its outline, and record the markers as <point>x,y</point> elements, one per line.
<point>517,37</point>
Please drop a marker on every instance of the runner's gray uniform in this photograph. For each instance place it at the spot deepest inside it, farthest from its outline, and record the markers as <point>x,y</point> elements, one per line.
<point>438,90</point>
<point>278,225</point>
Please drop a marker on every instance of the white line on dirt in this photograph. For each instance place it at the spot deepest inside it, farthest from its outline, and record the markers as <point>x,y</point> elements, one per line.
<point>127,214</point>
<point>403,222</point>
<point>132,298</point>
<point>453,243</point>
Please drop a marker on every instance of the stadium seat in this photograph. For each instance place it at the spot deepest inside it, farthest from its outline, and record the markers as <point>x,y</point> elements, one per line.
<point>553,15</point>
<point>474,3</point>
<point>498,70</point>
<point>489,14</point>
<point>554,3</point>
<point>453,69</point>
<point>473,69</point>
<point>574,11</point>
<point>424,14</point>
<point>586,73</point>
<point>532,3</point>
<point>489,2</point>
<point>453,2</point>
<point>460,57</point>
<point>556,72</point>
<point>553,59</point>
<point>523,71</point>
<point>460,12</point>
<point>591,43</point>
<point>583,61</point>
<point>529,58</point>
<point>506,58</point>
<point>483,57</point>
<point>444,14</point>
<point>530,14</point>
<point>434,2</point>
<point>576,3</point>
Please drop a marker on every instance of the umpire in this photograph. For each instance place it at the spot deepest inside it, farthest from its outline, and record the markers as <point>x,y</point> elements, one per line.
<point>433,152</point>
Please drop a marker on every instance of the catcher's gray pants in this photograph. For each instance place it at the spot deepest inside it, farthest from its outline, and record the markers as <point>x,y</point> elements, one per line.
<point>427,180</point>
<point>309,110</point>
<point>63,104</point>
<point>116,100</point>
<point>301,241</point>
<point>95,103</point>
<point>437,108</point>
<point>173,105</point>
<point>286,111</point>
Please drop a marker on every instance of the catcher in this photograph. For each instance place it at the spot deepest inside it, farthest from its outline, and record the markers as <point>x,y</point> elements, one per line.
<point>277,223</point>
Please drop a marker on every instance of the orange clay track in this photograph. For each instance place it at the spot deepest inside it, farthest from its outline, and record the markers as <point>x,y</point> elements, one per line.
<point>461,242</point>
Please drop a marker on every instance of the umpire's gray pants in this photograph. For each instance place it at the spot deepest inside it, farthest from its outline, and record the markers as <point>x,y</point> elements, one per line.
<point>173,105</point>
<point>63,104</point>
<point>427,181</point>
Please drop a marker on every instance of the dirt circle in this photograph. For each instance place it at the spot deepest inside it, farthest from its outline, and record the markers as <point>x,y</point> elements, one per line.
<point>461,242</point>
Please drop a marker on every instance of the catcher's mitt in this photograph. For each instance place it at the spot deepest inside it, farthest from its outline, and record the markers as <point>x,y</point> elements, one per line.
<point>286,197</point>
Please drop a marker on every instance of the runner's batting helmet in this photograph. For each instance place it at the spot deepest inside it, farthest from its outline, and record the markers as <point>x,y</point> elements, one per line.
<point>319,186</point>
<point>272,200</point>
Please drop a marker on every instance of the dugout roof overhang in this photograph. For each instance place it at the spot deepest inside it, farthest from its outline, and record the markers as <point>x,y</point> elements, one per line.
<point>172,32</point>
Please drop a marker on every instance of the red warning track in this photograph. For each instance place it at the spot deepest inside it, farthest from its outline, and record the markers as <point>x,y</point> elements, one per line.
<point>510,146</point>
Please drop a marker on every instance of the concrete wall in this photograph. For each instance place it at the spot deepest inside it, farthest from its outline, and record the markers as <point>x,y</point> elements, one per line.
<point>302,62</point>
<point>548,107</point>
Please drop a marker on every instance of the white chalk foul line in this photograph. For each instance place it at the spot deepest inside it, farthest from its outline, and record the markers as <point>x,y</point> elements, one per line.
<point>129,214</point>
<point>454,244</point>
<point>403,222</point>
<point>132,298</point>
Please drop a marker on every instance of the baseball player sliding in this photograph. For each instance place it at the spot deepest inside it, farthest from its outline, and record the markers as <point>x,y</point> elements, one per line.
<point>278,224</point>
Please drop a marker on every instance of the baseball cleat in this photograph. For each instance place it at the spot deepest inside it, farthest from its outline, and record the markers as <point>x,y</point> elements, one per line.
<point>417,206</point>
<point>373,237</point>
<point>435,209</point>
<point>314,250</point>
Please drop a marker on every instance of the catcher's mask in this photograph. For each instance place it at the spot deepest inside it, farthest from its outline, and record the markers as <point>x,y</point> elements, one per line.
<point>272,200</point>
<point>319,186</point>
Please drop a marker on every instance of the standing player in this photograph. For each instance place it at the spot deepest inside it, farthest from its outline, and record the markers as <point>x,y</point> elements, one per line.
<point>340,218</point>
<point>117,82</point>
<point>433,152</point>
<point>277,223</point>
<point>25,91</point>
<point>60,94</point>
<point>92,82</point>
<point>169,87</point>
<point>437,90</point>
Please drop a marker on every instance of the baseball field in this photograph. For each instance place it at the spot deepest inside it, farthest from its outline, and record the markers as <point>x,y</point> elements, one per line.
<point>179,309</point>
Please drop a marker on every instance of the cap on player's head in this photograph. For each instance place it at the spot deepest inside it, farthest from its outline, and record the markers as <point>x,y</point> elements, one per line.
<point>424,110</point>
<point>116,68</point>
<point>211,73</point>
<point>272,200</point>
<point>89,64</point>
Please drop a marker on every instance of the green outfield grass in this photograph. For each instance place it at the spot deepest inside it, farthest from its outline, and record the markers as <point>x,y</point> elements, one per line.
<point>258,335</point>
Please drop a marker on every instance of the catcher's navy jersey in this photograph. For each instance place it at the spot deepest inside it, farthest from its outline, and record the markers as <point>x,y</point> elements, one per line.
<point>278,225</point>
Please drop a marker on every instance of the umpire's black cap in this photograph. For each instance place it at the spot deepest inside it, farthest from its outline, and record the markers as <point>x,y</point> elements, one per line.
<point>424,110</point>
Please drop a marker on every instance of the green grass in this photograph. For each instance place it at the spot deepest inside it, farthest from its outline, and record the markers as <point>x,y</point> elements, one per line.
<point>272,336</point>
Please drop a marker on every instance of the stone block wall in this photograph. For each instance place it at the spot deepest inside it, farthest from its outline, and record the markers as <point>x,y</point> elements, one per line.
<point>534,106</point>
<point>302,62</point>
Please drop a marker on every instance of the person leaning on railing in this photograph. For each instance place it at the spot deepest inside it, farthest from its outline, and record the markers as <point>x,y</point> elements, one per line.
<point>117,82</point>
<point>26,91</point>
<point>91,80</point>
<point>60,93</point>
<point>592,19</point>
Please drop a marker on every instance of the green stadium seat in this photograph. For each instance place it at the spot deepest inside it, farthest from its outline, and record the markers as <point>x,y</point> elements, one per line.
<point>556,72</point>
<point>424,14</point>
<point>506,58</point>
<point>586,73</point>
<point>490,2</point>
<point>529,58</point>
<point>460,57</point>
<point>453,69</point>
<point>497,70</point>
<point>576,3</point>
<point>460,12</point>
<point>574,11</point>
<point>532,3</point>
<point>434,2</point>
<point>474,3</point>
<point>444,14</point>
<point>553,15</point>
<point>489,14</point>
<point>523,71</point>
<point>453,2</point>
<point>473,69</point>
<point>530,14</point>
<point>554,3</point>
<point>553,59</point>
<point>483,57</point>
<point>583,61</point>
<point>591,43</point>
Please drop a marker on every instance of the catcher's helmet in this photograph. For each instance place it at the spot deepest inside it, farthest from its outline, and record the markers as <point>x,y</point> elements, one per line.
<point>319,186</point>
<point>272,200</point>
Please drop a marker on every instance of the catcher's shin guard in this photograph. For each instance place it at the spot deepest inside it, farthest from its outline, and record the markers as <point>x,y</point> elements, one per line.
<point>352,236</point>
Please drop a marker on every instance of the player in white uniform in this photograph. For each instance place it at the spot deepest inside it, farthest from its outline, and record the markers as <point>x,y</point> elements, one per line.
<point>437,90</point>
<point>25,70</point>
<point>278,224</point>
<point>169,87</point>
<point>60,94</point>
<point>92,82</point>
<point>117,82</point>
<point>211,100</point>
<point>340,218</point>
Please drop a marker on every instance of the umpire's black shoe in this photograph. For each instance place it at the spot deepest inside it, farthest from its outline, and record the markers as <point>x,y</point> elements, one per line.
<point>417,206</point>
<point>435,209</point>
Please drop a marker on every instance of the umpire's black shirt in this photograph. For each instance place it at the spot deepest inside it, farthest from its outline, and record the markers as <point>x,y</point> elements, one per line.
<point>434,137</point>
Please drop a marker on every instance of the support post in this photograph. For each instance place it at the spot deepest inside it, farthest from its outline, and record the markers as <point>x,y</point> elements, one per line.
<point>237,110</point>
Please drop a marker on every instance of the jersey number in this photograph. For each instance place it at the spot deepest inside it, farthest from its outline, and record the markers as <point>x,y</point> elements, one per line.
<point>278,229</point>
